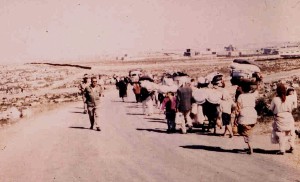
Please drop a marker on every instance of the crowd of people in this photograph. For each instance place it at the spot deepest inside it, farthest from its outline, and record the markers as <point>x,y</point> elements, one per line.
<point>196,102</point>
<point>208,104</point>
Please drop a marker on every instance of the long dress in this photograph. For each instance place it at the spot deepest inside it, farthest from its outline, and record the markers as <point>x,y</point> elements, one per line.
<point>122,85</point>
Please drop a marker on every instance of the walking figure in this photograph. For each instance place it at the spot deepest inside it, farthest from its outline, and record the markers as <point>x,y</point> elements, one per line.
<point>82,87</point>
<point>92,94</point>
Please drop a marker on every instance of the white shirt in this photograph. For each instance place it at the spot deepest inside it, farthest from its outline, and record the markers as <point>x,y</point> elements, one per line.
<point>246,103</point>
<point>226,106</point>
<point>277,106</point>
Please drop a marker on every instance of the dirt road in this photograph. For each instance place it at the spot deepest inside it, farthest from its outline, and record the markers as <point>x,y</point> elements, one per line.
<point>58,146</point>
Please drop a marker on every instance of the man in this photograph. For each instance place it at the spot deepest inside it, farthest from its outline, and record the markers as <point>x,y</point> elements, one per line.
<point>81,87</point>
<point>92,94</point>
<point>184,105</point>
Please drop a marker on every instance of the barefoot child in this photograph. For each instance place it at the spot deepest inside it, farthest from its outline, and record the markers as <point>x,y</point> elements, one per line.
<point>226,107</point>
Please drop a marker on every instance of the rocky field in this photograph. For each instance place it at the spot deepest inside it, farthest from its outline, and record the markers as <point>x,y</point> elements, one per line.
<point>29,86</point>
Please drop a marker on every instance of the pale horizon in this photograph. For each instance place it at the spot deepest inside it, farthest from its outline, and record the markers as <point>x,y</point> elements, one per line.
<point>72,30</point>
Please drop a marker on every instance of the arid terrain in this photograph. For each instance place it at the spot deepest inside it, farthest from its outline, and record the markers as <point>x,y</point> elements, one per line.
<point>45,136</point>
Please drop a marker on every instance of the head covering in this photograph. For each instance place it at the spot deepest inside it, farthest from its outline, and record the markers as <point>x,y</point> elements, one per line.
<point>85,76</point>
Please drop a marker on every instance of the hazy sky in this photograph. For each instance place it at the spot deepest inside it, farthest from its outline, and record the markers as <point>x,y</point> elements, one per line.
<point>72,29</point>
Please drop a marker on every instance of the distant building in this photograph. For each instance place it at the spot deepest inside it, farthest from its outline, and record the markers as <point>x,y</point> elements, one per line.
<point>269,51</point>
<point>290,52</point>
<point>187,53</point>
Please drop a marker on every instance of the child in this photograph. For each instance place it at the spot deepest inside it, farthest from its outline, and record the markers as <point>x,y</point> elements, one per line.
<point>169,105</point>
<point>226,107</point>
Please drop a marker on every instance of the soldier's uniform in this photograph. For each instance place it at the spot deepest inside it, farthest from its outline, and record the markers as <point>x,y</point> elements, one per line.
<point>92,95</point>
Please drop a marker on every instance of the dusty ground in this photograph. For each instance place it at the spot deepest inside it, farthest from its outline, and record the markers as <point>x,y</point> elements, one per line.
<point>58,146</point>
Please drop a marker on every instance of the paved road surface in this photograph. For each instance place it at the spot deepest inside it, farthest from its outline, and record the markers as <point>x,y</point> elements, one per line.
<point>58,146</point>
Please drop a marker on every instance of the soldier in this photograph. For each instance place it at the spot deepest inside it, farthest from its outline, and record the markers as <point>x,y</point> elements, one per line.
<point>82,86</point>
<point>92,93</point>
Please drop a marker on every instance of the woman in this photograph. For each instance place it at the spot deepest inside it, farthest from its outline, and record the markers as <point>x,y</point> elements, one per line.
<point>247,115</point>
<point>122,86</point>
<point>283,125</point>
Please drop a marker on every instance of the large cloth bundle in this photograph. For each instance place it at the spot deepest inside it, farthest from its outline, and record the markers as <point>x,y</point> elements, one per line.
<point>243,71</point>
<point>168,81</point>
<point>212,75</point>
<point>214,96</point>
<point>245,67</point>
<point>134,75</point>
<point>165,88</point>
<point>202,82</point>
<point>200,95</point>
<point>150,86</point>
<point>146,78</point>
<point>180,80</point>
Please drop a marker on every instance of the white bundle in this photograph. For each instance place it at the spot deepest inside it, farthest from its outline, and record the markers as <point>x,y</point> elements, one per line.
<point>245,67</point>
<point>150,86</point>
<point>214,96</point>
<point>243,74</point>
<point>200,95</point>
<point>168,81</point>
<point>181,80</point>
<point>165,88</point>
<point>210,76</point>
<point>202,80</point>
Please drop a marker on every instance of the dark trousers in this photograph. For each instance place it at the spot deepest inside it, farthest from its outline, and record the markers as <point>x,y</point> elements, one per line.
<point>138,97</point>
<point>170,116</point>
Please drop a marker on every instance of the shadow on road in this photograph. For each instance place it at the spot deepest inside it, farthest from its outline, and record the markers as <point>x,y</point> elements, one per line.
<point>152,130</point>
<point>78,127</point>
<point>123,101</point>
<point>236,151</point>
<point>214,149</point>
<point>134,114</point>
<point>157,121</point>
<point>134,106</point>
<point>262,151</point>
<point>77,112</point>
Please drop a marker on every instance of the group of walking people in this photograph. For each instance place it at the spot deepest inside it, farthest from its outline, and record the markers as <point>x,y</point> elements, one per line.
<point>234,111</point>
<point>185,107</point>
